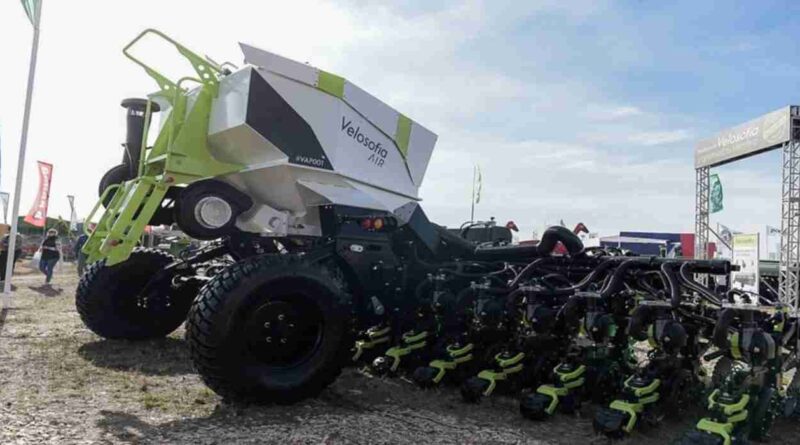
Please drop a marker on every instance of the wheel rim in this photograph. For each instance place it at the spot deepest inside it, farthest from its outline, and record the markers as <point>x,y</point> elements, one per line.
<point>213,212</point>
<point>285,332</point>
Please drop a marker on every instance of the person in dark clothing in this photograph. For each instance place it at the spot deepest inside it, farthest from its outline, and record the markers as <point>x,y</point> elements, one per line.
<point>51,253</point>
<point>4,254</point>
<point>79,254</point>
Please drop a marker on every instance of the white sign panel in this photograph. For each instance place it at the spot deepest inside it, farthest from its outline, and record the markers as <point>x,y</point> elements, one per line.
<point>763,133</point>
<point>745,255</point>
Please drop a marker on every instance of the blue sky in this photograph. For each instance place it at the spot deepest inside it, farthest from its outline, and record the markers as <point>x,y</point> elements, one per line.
<point>582,110</point>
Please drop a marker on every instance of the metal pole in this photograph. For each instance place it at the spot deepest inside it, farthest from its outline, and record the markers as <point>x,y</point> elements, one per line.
<point>12,239</point>
<point>472,212</point>
<point>720,238</point>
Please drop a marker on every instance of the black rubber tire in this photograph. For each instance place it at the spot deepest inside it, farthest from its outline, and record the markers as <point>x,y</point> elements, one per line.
<point>220,341</point>
<point>109,302</point>
<point>116,175</point>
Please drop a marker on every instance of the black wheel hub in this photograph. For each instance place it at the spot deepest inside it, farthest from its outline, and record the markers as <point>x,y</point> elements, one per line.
<point>278,334</point>
<point>152,301</point>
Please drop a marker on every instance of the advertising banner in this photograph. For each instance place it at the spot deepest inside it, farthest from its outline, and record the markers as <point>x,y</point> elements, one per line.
<point>716,195</point>
<point>37,216</point>
<point>755,136</point>
<point>745,255</point>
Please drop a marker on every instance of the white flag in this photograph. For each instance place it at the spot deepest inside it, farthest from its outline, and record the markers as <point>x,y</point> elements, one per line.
<point>32,10</point>
<point>73,219</point>
<point>4,202</point>
<point>725,233</point>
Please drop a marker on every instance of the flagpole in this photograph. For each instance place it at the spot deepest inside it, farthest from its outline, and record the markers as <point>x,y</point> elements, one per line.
<point>12,238</point>
<point>472,212</point>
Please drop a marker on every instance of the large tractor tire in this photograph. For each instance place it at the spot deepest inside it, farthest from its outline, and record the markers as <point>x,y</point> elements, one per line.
<point>271,330</point>
<point>112,303</point>
<point>116,175</point>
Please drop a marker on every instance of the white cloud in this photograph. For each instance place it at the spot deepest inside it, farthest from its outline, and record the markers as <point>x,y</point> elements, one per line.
<point>613,113</point>
<point>653,138</point>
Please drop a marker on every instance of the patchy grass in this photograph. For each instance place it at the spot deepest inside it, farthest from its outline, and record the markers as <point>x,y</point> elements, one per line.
<point>61,384</point>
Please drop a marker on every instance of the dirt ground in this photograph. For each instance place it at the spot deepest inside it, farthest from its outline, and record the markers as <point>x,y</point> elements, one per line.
<point>61,384</point>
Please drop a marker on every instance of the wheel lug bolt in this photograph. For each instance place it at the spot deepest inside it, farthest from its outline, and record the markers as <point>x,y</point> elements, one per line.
<point>266,325</point>
<point>269,339</point>
<point>281,317</point>
<point>283,340</point>
<point>291,325</point>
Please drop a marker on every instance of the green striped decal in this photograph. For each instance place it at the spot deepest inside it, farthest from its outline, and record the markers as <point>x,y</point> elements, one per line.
<point>331,83</point>
<point>403,134</point>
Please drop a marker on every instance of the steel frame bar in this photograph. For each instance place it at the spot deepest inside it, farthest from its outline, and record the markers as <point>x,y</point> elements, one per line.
<point>789,269</point>
<point>702,190</point>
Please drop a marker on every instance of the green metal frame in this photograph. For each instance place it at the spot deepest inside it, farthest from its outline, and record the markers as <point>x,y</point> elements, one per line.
<point>644,396</point>
<point>565,382</point>
<point>375,337</point>
<point>457,356</point>
<point>508,366</point>
<point>179,156</point>
<point>411,342</point>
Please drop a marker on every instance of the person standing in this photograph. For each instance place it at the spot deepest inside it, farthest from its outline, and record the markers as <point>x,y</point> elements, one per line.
<point>79,253</point>
<point>51,253</point>
<point>4,254</point>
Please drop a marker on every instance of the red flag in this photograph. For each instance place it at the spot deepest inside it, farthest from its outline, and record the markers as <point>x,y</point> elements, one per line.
<point>37,216</point>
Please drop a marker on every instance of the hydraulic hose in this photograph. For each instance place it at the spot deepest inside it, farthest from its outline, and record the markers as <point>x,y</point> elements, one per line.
<point>570,310</point>
<point>642,283</point>
<point>673,283</point>
<point>724,320</point>
<point>511,300</point>
<point>617,281</point>
<point>555,277</point>
<point>588,279</point>
<point>524,273</point>
<point>555,234</point>
<point>692,284</point>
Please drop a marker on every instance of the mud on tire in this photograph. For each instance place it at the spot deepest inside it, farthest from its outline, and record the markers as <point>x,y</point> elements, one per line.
<point>110,301</point>
<point>270,330</point>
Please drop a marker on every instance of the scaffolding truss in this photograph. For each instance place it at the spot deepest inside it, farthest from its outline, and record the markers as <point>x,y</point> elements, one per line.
<point>779,129</point>
<point>701,217</point>
<point>789,269</point>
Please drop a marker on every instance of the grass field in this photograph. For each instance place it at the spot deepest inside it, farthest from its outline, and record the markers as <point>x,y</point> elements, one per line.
<point>61,384</point>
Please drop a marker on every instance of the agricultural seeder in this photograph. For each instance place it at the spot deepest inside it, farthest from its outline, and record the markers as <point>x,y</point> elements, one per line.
<point>317,255</point>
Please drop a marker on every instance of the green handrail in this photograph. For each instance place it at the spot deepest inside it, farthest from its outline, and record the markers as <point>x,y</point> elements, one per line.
<point>206,69</point>
<point>97,207</point>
